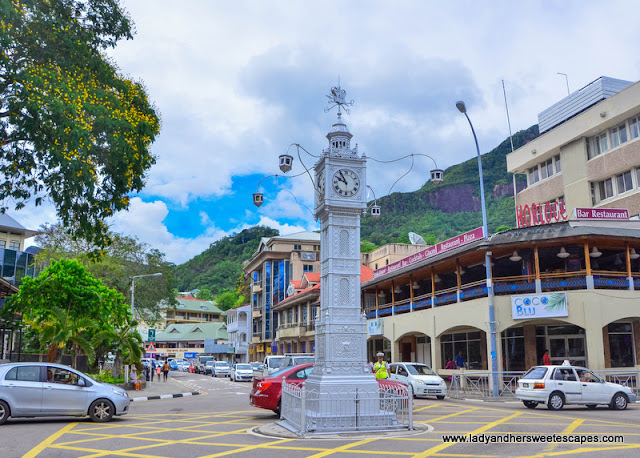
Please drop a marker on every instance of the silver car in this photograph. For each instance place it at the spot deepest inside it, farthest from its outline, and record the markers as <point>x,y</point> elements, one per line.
<point>46,389</point>
<point>221,369</point>
<point>240,372</point>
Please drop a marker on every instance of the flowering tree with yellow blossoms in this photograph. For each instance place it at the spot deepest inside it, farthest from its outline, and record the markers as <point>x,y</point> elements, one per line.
<point>72,129</point>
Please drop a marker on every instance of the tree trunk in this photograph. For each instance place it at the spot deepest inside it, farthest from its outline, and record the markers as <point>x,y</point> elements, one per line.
<point>117,365</point>
<point>52,353</point>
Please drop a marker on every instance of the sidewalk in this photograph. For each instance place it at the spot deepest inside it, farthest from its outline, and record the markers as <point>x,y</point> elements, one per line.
<point>172,388</point>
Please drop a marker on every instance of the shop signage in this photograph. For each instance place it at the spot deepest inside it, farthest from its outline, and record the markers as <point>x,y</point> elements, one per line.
<point>308,256</point>
<point>190,355</point>
<point>602,213</point>
<point>550,305</point>
<point>268,350</point>
<point>251,352</point>
<point>438,248</point>
<point>260,348</point>
<point>537,214</point>
<point>375,327</point>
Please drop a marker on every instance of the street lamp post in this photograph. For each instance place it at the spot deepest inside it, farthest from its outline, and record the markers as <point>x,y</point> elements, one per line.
<point>487,259</point>
<point>133,282</point>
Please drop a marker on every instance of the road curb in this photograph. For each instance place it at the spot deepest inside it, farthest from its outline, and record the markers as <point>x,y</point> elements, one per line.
<point>165,396</point>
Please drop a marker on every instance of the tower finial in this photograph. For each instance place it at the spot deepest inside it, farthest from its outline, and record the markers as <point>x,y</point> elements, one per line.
<point>338,98</point>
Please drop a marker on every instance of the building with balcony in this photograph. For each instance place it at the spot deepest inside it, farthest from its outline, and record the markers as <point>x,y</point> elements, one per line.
<point>296,315</point>
<point>571,287</point>
<point>587,155</point>
<point>191,310</point>
<point>276,262</point>
<point>239,330</point>
<point>193,338</point>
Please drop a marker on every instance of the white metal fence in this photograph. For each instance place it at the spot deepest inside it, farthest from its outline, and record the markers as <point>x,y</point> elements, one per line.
<point>345,410</point>
<point>478,384</point>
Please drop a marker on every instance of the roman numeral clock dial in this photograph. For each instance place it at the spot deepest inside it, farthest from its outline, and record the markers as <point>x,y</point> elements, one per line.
<point>346,183</point>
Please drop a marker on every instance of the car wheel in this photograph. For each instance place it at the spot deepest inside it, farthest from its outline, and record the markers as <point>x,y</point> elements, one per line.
<point>277,411</point>
<point>619,402</point>
<point>530,404</point>
<point>556,401</point>
<point>4,412</point>
<point>440,397</point>
<point>101,410</point>
<point>591,406</point>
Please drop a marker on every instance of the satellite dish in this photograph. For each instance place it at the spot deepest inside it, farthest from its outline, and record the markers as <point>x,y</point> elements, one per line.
<point>416,239</point>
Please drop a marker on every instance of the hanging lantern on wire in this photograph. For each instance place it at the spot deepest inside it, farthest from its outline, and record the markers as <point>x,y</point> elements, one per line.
<point>286,162</point>
<point>258,199</point>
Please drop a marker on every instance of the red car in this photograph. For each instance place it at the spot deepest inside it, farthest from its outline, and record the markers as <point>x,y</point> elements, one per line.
<point>267,391</point>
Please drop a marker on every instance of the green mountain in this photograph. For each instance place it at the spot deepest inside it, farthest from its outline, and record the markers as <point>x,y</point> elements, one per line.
<point>220,266</point>
<point>438,212</point>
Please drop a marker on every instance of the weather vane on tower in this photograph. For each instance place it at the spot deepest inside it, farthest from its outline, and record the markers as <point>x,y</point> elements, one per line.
<point>337,98</point>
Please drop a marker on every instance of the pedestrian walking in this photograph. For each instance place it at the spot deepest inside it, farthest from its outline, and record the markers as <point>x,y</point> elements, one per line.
<point>165,371</point>
<point>380,367</point>
<point>153,369</point>
<point>158,371</point>
<point>546,359</point>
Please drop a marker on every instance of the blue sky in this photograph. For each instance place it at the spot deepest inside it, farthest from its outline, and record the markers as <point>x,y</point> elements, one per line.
<point>237,82</point>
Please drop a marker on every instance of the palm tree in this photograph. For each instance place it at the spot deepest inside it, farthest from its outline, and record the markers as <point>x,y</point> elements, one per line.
<point>127,342</point>
<point>58,329</point>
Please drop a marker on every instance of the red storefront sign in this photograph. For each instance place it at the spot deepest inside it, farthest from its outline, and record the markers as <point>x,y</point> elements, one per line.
<point>602,213</point>
<point>441,247</point>
<point>537,214</point>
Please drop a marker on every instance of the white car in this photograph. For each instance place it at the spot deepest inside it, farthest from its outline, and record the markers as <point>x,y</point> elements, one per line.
<point>220,368</point>
<point>422,379</point>
<point>556,386</point>
<point>241,372</point>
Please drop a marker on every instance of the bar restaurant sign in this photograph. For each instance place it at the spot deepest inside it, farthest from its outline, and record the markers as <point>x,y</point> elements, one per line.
<point>525,306</point>
<point>441,247</point>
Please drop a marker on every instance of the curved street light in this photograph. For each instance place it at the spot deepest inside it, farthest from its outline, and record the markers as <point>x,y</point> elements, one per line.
<point>492,322</point>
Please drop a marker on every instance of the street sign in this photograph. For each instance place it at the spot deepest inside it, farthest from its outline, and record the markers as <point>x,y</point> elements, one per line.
<point>152,335</point>
<point>151,348</point>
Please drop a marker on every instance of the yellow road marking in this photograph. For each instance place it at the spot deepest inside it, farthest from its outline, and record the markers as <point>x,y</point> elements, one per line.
<point>433,420</point>
<point>433,450</point>
<point>247,448</point>
<point>427,407</point>
<point>568,430</point>
<point>343,448</point>
<point>48,441</point>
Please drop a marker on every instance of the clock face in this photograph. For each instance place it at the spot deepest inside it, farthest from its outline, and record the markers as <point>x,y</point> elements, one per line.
<point>346,183</point>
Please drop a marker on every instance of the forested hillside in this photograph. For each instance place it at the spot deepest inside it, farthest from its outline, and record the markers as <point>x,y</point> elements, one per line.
<point>438,212</point>
<point>219,267</point>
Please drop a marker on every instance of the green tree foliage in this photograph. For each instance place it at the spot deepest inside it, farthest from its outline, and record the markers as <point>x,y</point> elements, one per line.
<point>414,211</point>
<point>121,260</point>
<point>68,307</point>
<point>58,329</point>
<point>72,129</point>
<point>229,299</point>
<point>219,267</point>
<point>205,295</point>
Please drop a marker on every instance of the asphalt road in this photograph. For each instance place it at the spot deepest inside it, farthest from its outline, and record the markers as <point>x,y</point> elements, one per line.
<point>217,424</point>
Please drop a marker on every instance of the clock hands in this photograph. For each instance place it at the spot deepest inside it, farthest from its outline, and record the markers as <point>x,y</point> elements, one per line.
<point>344,180</point>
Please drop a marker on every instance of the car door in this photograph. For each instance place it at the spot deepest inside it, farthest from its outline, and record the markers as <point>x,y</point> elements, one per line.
<point>64,393</point>
<point>392,368</point>
<point>402,375</point>
<point>593,390</point>
<point>24,390</point>
<point>568,382</point>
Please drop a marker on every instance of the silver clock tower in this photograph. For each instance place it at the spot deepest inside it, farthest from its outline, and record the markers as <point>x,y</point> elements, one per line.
<point>341,391</point>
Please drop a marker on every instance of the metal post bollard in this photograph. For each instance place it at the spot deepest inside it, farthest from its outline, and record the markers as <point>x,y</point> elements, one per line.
<point>284,382</point>
<point>303,413</point>
<point>410,394</point>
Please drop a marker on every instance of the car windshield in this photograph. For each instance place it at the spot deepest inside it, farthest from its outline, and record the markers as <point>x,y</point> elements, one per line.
<point>304,359</point>
<point>243,367</point>
<point>419,369</point>
<point>210,363</point>
<point>275,362</point>
<point>221,363</point>
<point>535,373</point>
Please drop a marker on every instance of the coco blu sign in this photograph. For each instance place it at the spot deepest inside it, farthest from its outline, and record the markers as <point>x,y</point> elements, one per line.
<point>539,306</point>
